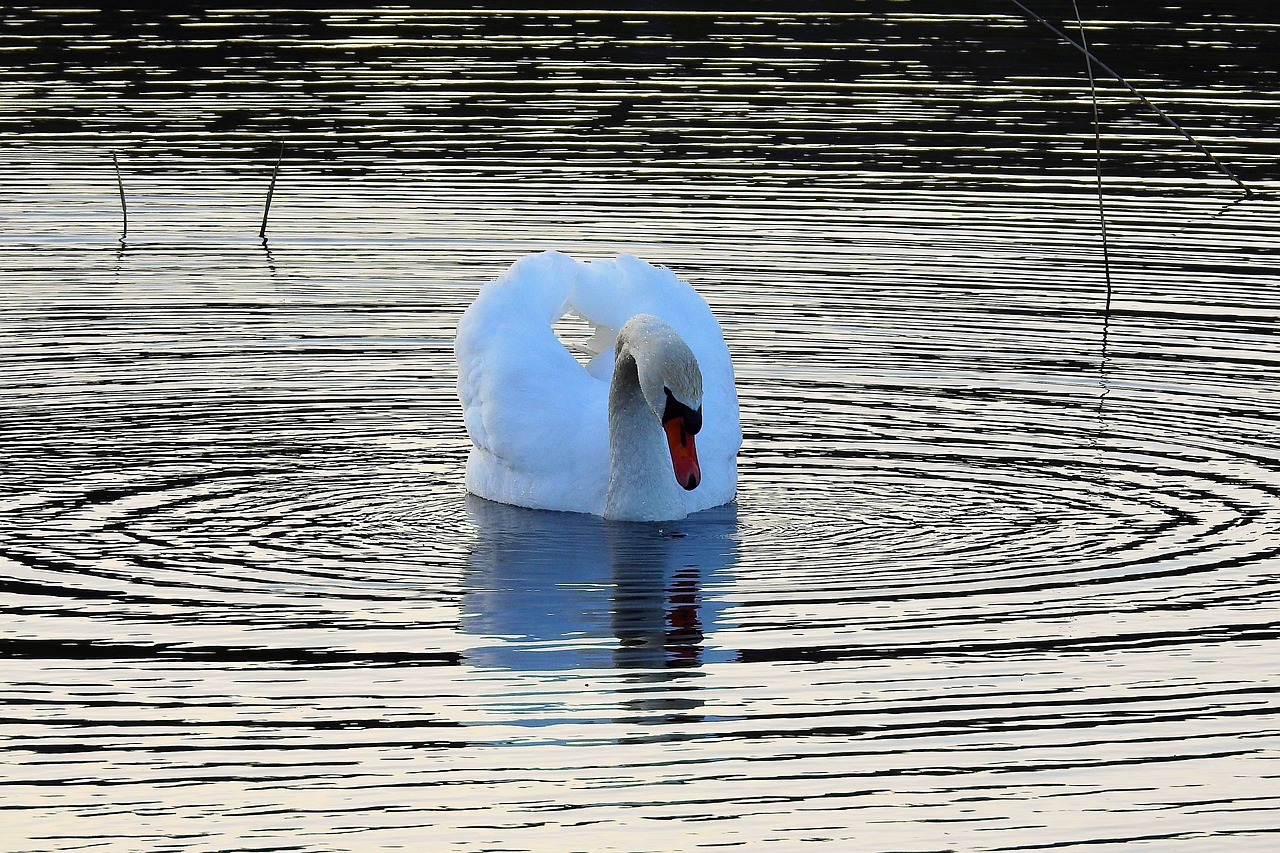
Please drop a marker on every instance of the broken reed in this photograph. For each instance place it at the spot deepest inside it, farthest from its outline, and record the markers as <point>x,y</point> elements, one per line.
<point>262,232</point>
<point>124,208</point>
<point>1094,60</point>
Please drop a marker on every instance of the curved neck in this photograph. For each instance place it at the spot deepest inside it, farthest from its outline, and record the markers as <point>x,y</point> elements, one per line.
<point>642,486</point>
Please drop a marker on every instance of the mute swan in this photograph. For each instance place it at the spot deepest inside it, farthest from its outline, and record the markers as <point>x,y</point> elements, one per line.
<point>616,437</point>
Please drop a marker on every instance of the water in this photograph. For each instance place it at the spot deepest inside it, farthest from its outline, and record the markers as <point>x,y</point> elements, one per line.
<point>1003,569</point>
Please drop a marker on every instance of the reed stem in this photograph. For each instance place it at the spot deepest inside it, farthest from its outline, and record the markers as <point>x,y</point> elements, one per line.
<point>262,232</point>
<point>124,209</point>
<point>1097,169</point>
<point>1093,60</point>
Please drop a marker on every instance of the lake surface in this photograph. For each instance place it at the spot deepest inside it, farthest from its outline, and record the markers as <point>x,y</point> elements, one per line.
<point>1004,565</point>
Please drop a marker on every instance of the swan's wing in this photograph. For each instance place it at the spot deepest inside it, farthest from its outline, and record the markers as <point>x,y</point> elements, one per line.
<point>537,418</point>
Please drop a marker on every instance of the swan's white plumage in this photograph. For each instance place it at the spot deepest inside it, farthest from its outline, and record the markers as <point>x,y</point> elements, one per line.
<point>539,420</point>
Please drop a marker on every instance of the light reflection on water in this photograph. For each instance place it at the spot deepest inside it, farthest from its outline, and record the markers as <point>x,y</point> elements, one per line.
<point>986,586</point>
<point>543,584</point>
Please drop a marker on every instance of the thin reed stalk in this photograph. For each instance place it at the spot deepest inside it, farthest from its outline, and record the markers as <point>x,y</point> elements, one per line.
<point>1097,166</point>
<point>124,208</point>
<point>262,232</point>
<point>1145,100</point>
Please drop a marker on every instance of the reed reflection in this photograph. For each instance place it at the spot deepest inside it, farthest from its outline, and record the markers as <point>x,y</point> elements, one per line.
<point>555,590</point>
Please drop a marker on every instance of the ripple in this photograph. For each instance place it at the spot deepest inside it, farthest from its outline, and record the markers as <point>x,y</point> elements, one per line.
<point>975,556</point>
<point>1004,554</point>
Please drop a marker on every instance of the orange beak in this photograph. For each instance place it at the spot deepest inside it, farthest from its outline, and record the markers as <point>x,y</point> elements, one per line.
<point>684,456</point>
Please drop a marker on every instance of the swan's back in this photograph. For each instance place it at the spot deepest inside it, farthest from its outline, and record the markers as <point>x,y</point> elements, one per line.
<point>538,418</point>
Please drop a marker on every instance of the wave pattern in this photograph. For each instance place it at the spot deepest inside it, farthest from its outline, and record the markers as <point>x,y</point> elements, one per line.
<point>1004,566</point>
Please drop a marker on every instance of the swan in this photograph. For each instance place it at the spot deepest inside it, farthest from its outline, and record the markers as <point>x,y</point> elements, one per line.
<point>647,430</point>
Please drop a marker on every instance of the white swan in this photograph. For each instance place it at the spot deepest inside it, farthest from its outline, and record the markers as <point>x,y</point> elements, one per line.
<point>613,438</point>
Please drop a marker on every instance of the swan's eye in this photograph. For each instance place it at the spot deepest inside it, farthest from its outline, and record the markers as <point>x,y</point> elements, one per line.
<point>690,418</point>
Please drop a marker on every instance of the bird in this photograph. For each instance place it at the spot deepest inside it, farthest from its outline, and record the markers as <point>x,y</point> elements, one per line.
<point>647,430</point>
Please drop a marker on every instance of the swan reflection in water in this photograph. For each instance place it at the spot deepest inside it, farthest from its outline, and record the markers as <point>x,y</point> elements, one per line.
<point>558,590</point>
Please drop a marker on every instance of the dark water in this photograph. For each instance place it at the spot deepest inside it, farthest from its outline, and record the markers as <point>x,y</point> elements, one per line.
<point>1002,574</point>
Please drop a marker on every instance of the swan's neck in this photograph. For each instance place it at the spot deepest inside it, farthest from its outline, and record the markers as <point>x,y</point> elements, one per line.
<point>642,486</point>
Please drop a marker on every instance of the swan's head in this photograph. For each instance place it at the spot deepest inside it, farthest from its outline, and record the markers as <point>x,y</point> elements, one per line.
<point>672,386</point>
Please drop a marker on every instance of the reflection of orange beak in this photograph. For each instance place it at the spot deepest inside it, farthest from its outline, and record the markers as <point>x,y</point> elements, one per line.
<point>684,456</point>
